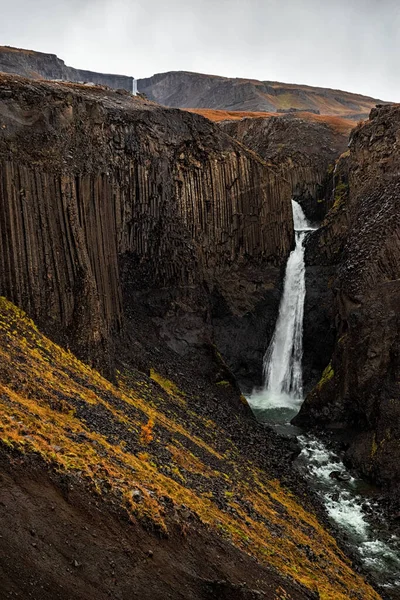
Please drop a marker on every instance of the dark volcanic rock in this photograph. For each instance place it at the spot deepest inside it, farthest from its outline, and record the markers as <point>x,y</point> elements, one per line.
<point>304,151</point>
<point>82,549</point>
<point>39,65</point>
<point>361,389</point>
<point>107,199</point>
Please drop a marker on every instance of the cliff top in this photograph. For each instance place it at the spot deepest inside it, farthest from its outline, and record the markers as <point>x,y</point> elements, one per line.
<point>40,65</point>
<point>337,124</point>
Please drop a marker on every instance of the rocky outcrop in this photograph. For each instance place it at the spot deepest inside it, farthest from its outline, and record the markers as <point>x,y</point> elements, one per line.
<point>107,199</point>
<point>195,90</point>
<point>360,388</point>
<point>303,149</point>
<point>39,65</point>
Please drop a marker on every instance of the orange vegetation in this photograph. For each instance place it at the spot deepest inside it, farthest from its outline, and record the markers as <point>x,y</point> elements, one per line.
<point>339,124</point>
<point>217,115</point>
<point>59,409</point>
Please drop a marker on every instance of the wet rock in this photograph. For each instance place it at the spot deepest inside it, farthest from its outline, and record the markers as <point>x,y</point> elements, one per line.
<point>340,475</point>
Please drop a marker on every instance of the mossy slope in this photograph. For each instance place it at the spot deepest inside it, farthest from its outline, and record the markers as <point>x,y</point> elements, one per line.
<point>129,444</point>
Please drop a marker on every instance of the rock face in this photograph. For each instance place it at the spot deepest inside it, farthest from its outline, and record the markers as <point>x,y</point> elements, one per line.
<point>303,149</point>
<point>38,65</point>
<point>360,389</point>
<point>195,90</point>
<point>105,197</point>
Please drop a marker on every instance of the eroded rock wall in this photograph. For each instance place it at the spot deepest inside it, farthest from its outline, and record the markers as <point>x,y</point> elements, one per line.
<point>104,197</point>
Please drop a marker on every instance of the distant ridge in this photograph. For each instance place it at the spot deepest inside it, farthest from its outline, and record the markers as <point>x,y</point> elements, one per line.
<point>183,89</point>
<point>39,65</point>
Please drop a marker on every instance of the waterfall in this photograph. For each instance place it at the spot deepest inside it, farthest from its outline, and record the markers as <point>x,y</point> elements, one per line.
<point>282,369</point>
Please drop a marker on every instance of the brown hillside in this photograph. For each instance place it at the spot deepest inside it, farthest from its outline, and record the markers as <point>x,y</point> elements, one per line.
<point>182,89</point>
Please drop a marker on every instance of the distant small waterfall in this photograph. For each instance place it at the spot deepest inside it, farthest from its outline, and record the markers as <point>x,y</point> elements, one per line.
<point>283,381</point>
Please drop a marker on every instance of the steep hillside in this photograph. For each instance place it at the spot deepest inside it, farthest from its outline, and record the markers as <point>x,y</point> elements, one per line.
<point>39,65</point>
<point>360,389</point>
<point>131,492</point>
<point>194,90</point>
<point>110,203</point>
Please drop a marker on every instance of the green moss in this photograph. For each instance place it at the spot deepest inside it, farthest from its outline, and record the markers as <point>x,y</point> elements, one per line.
<point>327,375</point>
<point>374,446</point>
<point>330,169</point>
<point>341,191</point>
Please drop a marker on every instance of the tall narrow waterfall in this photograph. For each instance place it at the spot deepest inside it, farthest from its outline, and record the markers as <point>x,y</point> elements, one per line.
<point>283,385</point>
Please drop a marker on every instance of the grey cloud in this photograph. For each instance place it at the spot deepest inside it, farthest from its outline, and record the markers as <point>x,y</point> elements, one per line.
<point>346,44</point>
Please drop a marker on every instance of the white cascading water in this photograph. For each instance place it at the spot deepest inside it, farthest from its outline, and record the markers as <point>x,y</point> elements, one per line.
<point>283,382</point>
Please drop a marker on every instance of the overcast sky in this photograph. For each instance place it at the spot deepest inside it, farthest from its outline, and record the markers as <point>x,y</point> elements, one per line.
<point>352,45</point>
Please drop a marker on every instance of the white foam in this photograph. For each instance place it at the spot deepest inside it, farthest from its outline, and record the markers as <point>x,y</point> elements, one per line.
<point>262,399</point>
<point>347,512</point>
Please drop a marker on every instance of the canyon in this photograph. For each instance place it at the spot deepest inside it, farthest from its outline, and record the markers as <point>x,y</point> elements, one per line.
<point>143,251</point>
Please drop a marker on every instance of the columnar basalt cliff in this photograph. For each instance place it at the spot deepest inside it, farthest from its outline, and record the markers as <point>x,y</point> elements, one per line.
<point>103,195</point>
<point>360,388</point>
<point>39,65</point>
<point>304,149</point>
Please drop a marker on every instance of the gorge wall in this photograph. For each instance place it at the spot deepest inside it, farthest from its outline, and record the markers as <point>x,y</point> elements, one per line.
<point>360,389</point>
<point>107,199</point>
<point>39,65</point>
<point>304,149</point>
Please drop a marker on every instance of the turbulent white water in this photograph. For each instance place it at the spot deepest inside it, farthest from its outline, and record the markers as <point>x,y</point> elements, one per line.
<point>351,508</point>
<point>279,400</point>
<point>283,382</point>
